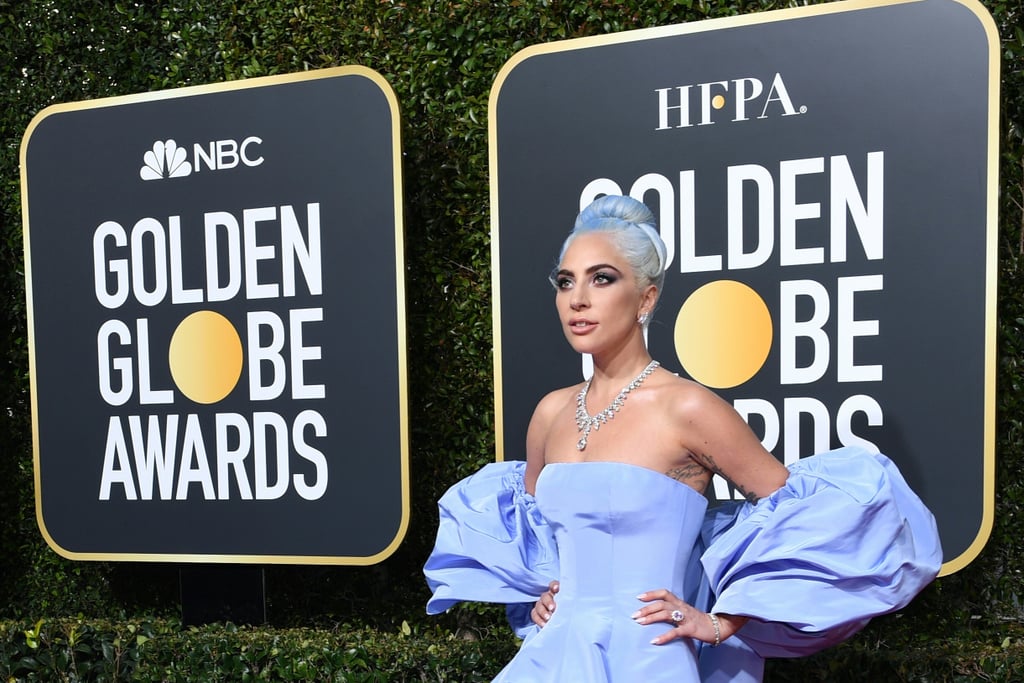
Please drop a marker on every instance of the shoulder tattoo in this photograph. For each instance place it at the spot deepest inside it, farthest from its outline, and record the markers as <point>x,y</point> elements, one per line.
<point>709,462</point>
<point>689,472</point>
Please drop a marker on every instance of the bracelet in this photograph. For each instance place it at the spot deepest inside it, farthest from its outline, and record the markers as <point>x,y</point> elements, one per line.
<point>718,629</point>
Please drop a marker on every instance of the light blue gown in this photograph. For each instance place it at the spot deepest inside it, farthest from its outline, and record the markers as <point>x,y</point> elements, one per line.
<point>845,539</point>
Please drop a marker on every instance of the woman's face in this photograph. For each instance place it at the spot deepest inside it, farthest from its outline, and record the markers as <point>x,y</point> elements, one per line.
<point>597,296</point>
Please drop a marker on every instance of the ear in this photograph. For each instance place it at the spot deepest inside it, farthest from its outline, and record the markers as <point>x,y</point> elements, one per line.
<point>648,299</point>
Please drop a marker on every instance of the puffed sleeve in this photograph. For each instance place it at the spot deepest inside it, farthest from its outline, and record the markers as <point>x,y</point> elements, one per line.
<point>844,540</point>
<point>492,543</point>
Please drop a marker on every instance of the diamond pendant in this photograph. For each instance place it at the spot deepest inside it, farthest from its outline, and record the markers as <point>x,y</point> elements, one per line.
<point>585,422</point>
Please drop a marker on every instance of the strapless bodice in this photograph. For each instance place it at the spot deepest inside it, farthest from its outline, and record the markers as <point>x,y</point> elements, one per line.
<point>621,530</point>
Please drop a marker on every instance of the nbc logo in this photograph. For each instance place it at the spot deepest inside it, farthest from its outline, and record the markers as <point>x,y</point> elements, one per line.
<point>167,160</point>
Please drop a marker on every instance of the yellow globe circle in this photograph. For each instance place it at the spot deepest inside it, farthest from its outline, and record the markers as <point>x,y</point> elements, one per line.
<point>205,357</point>
<point>717,101</point>
<point>723,334</point>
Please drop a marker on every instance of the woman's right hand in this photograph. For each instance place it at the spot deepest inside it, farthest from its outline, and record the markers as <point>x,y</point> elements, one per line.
<point>545,606</point>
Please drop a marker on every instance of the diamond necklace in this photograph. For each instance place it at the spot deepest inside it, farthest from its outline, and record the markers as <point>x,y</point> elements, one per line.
<point>586,422</point>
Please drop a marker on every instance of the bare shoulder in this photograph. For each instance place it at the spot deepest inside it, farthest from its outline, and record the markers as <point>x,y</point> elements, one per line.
<point>546,413</point>
<point>720,440</point>
<point>553,402</point>
<point>684,397</point>
<point>702,412</point>
<point>544,416</point>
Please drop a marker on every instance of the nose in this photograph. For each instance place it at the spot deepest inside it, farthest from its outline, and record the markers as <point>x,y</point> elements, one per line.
<point>578,299</point>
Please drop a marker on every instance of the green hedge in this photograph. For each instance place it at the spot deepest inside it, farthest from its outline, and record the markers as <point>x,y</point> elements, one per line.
<point>162,651</point>
<point>441,57</point>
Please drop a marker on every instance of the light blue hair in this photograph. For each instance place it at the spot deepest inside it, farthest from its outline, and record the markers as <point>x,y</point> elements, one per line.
<point>631,227</point>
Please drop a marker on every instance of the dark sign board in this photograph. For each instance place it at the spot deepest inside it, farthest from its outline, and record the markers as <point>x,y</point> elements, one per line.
<point>216,319</point>
<point>825,181</point>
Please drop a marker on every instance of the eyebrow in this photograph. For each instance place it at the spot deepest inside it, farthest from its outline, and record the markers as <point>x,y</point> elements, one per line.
<point>592,269</point>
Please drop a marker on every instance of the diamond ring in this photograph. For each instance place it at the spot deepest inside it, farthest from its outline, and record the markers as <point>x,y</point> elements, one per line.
<point>677,617</point>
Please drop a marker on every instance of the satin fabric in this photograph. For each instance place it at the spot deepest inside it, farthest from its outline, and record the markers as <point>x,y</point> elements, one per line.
<point>845,539</point>
<point>609,525</point>
<point>493,545</point>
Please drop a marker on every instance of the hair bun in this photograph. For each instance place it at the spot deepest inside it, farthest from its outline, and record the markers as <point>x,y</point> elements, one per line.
<point>616,210</point>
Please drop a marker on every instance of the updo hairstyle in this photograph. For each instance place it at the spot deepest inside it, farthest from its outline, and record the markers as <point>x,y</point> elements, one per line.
<point>631,227</point>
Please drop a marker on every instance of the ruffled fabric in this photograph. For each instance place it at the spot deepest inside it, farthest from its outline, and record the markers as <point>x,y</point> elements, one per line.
<point>492,544</point>
<point>844,540</point>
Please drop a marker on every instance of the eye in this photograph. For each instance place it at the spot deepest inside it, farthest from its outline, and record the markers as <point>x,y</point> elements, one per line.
<point>602,278</point>
<point>559,281</point>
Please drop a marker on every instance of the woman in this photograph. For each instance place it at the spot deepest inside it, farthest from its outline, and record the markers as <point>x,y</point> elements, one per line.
<point>611,503</point>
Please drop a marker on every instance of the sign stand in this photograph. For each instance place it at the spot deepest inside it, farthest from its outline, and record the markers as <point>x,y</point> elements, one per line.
<point>220,593</point>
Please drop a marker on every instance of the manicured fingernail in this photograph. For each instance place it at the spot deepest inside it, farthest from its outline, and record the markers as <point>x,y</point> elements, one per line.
<point>635,614</point>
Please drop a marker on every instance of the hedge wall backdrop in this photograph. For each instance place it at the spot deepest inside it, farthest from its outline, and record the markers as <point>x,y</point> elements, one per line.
<point>62,620</point>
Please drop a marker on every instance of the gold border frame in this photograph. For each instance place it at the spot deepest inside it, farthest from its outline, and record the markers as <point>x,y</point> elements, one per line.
<point>396,161</point>
<point>992,191</point>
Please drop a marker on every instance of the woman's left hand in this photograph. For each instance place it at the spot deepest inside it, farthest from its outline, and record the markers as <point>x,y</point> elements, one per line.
<point>544,608</point>
<point>687,621</point>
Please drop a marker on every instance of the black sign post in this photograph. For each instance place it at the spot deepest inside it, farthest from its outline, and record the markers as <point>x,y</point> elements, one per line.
<point>217,327</point>
<point>825,181</point>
